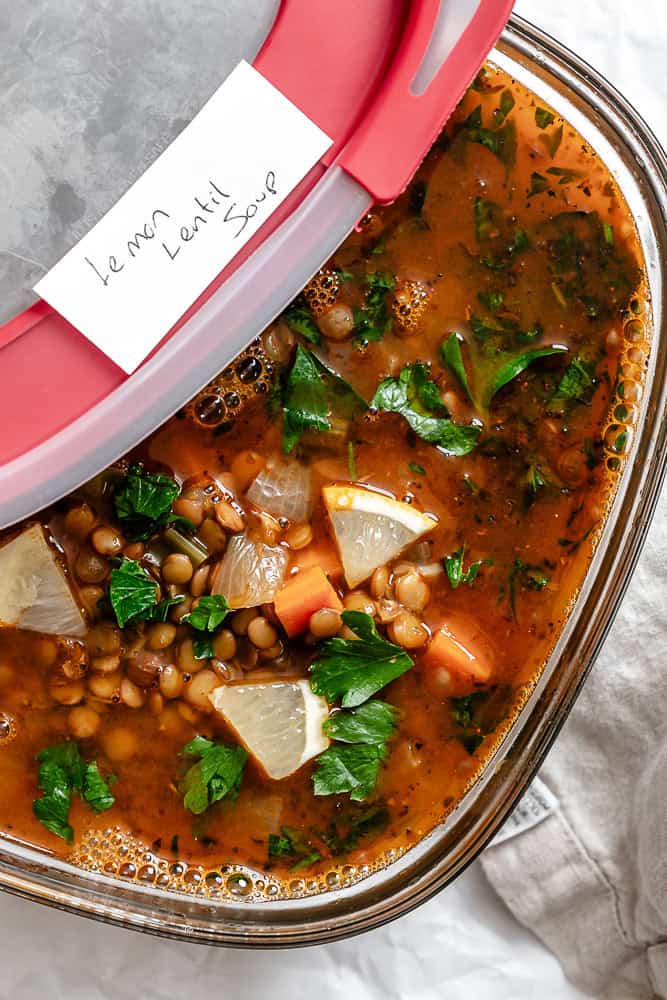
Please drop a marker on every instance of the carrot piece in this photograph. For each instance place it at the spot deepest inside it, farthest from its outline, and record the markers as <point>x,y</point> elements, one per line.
<point>319,554</point>
<point>461,650</point>
<point>302,595</point>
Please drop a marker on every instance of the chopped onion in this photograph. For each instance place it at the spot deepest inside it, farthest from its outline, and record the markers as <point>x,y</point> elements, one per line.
<point>250,572</point>
<point>34,592</point>
<point>283,488</point>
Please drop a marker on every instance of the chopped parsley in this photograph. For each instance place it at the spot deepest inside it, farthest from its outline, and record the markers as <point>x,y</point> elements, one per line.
<point>216,775</point>
<point>205,619</point>
<point>311,394</point>
<point>576,385</point>
<point>359,824</point>
<point>538,184</point>
<point>63,772</point>
<point>524,575</point>
<point>454,568</point>
<point>132,592</point>
<point>418,469</point>
<point>417,399</point>
<point>300,319</point>
<point>543,118</point>
<point>349,768</point>
<point>292,843</point>
<point>143,503</point>
<point>355,669</point>
<point>372,722</point>
<point>372,320</point>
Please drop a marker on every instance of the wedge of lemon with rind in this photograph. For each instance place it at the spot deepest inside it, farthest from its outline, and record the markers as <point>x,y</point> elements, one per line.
<point>34,592</point>
<point>279,723</point>
<point>371,529</point>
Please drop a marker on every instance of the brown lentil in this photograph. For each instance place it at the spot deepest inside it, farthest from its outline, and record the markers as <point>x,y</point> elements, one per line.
<point>106,664</point>
<point>228,517</point>
<point>407,631</point>
<point>80,521</point>
<point>83,722</point>
<point>245,468</point>
<point>106,687</point>
<point>160,635</point>
<point>90,567</point>
<point>191,508</point>
<point>224,644</point>
<point>106,541</point>
<point>119,743</point>
<point>412,591</point>
<point>131,695</point>
<point>359,600</point>
<point>299,536</point>
<point>212,536</point>
<point>68,694</point>
<point>261,633</point>
<point>171,682</point>
<point>325,623</point>
<point>196,692</point>
<point>176,568</point>
<point>242,619</point>
<point>379,581</point>
<point>199,581</point>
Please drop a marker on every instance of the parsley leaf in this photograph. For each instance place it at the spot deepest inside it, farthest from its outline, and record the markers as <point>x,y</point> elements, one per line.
<point>372,321</point>
<point>372,722</point>
<point>359,825</point>
<point>311,394</point>
<point>209,614</point>
<point>575,384</point>
<point>143,503</point>
<point>416,397</point>
<point>216,775</point>
<point>132,592</point>
<point>452,358</point>
<point>538,184</point>
<point>526,576</point>
<point>351,768</point>
<point>543,118</point>
<point>418,469</point>
<point>515,365</point>
<point>355,669</point>
<point>454,568</point>
<point>293,844</point>
<point>300,319</point>
<point>62,772</point>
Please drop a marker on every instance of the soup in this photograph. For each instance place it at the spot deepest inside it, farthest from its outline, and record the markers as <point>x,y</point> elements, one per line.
<point>284,634</point>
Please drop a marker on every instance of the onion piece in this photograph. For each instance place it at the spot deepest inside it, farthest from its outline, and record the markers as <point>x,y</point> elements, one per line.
<point>34,592</point>
<point>250,572</point>
<point>283,488</point>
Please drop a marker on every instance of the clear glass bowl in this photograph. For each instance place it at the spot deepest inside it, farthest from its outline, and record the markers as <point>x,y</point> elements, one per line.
<point>639,165</point>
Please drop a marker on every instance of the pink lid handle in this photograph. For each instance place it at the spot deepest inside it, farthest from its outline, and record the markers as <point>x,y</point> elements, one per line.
<point>443,47</point>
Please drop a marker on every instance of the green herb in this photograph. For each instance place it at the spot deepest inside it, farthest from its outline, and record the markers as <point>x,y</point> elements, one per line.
<point>454,568</point>
<point>372,722</point>
<point>358,826</point>
<point>355,669</point>
<point>300,319</point>
<point>372,321</point>
<point>344,275</point>
<point>485,225</point>
<point>608,230</point>
<point>514,366</point>
<point>538,184</point>
<point>576,382</point>
<point>216,775</point>
<point>524,575</point>
<point>451,356</point>
<point>418,469</point>
<point>416,398</point>
<point>209,614</point>
<point>349,768</point>
<point>62,772</point>
<point>504,260</point>
<point>566,175</point>
<point>493,301</point>
<point>161,610</point>
<point>536,479</point>
<point>552,141</point>
<point>311,394</point>
<point>462,708</point>
<point>143,503</point>
<point>494,372</point>
<point>543,118</point>
<point>132,592</point>
<point>351,461</point>
<point>507,103</point>
<point>501,141</point>
<point>293,844</point>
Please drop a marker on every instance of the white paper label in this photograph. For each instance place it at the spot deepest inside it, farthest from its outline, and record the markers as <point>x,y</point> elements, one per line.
<point>127,282</point>
<point>533,807</point>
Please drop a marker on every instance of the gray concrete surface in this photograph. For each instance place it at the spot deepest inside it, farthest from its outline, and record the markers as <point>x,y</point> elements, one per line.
<point>91,91</point>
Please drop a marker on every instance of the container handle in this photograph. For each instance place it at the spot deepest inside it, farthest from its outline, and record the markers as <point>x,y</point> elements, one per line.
<point>443,47</point>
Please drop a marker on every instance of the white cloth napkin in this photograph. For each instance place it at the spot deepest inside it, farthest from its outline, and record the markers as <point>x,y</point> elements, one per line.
<point>590,875</point>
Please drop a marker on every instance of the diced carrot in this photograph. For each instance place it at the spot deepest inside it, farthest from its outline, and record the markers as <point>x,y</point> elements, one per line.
<point>320,554</point>
<point>461,654</point>
<point>302,595</point>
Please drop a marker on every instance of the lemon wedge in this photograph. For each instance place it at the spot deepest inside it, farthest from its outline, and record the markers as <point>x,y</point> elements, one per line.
<point>280,724</point>
<point>371,529</point>
<point>34,593</point>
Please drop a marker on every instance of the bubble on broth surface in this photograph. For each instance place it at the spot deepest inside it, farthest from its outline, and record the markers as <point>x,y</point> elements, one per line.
<point>224,399</point>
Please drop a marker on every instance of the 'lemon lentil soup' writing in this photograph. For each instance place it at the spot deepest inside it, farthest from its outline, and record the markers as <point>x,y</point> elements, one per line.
<point>285,631</point>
